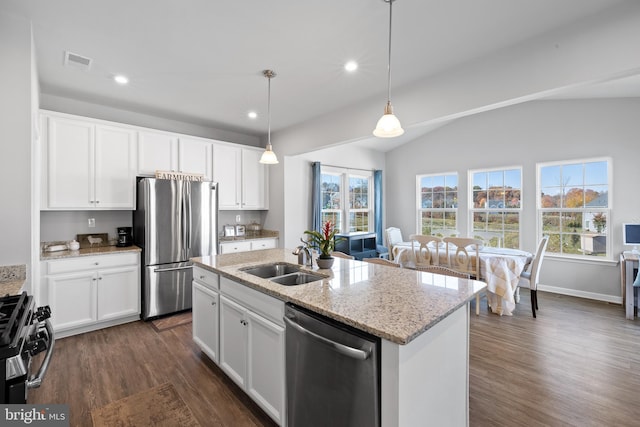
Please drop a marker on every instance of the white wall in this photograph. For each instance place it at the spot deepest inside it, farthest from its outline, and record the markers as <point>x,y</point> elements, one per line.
<point>97,111</point>
<point>15,144</point>
<point>600,47</point>
<point>526,134</point>
<point>297,191</point>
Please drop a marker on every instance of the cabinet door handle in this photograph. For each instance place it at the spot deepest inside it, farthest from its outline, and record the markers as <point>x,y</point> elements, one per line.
<point>97,201</point>
<point>94,279</point>
<point>213,303</point>
<point>201,277</point>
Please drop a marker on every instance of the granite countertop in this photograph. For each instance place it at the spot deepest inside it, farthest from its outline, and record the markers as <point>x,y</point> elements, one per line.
<point>45,256</point>
<point>12,277</point>
<point>395,304</point>
<point>251,235</point>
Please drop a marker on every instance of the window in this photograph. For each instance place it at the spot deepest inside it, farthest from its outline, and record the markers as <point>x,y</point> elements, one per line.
<point>355,187</point>
<point>359,203</point>
<point>331,189</point>
<point>437,201</point>
<point>495,206</point>
<point>573,207</point>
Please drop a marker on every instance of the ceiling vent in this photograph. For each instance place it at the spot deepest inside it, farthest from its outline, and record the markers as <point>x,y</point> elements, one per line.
<point>74,60</point>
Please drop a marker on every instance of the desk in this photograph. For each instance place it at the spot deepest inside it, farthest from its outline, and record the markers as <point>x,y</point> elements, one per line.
<point>500,268</point>
<point>628,262</point>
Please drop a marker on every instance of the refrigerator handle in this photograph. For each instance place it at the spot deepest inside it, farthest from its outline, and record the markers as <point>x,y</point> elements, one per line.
<point>183,222</point>
<point>189,219</point>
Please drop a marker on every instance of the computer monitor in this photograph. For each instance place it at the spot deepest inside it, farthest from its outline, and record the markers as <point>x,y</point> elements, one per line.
<point>631,236</point>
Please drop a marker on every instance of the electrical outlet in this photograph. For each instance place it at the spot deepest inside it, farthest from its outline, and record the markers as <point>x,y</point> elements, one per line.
<point>238,219</point>
<point>92,222</point>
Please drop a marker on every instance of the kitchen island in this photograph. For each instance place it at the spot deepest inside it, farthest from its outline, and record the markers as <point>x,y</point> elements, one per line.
<point>421,318</point>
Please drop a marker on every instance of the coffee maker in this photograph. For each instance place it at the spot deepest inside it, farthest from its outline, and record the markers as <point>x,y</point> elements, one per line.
<point>124,237</point>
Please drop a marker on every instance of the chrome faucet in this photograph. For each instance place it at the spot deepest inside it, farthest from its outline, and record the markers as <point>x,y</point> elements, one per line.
<point>304,256</point>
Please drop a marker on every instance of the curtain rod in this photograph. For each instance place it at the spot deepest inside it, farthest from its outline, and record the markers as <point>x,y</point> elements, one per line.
<point>344,167</point>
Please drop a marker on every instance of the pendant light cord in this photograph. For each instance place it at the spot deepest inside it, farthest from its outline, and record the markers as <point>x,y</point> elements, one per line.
<point>269,112</point>
<point>389,59</point>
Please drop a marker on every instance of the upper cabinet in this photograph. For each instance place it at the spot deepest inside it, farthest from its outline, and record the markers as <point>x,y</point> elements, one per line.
<point>195,156</point>
<point>87,165</point>
<point>92,164</point>
<point>167,152</point>
<point>157,152</point>
<point>243,180</point>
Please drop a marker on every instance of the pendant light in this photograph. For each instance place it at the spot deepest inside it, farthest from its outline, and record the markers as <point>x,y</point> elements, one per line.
<point>388,126</point>
<point>269,157</point>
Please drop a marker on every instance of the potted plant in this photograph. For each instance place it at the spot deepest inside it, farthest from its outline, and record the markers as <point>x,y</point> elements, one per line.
<point>324,241</point>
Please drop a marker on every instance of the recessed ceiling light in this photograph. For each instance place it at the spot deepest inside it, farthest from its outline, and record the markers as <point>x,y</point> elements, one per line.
<point>252,114</point>
<point>351,66</point>
<point>120,79</point>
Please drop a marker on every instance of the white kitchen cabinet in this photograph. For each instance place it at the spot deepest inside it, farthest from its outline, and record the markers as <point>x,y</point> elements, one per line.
<point>234,246</point>
<point>87,165</point>
<point>252,345</point>
<point>255,180</point>
<point>259,244</point>
<point>71,298</point>
<point>243,180</point>
<point>195,156</point>
<point>92,292</point>
<point>118,293</point>
<point>157,152</point>
<point>206,312</point>
<point>233,340</point>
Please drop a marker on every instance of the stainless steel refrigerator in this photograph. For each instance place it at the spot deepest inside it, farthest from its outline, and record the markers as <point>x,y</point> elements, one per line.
<point>174,221</point>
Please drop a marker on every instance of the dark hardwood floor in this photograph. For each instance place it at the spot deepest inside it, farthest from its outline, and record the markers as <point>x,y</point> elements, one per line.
<point>577,364</point>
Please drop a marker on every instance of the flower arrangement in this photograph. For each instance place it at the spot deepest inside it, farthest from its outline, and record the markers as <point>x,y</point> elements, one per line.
<point>324,239</point>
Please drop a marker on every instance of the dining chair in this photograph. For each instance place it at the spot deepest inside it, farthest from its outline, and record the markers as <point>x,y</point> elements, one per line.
<point>533,275</point>
<point>394,237</point>
<point>490,238</point>
<point>421,246</point>
<point>459,258</point>
<point>445,232</point>
<point>441,269</point>
<point>381,261</point>
<point>338,254</point>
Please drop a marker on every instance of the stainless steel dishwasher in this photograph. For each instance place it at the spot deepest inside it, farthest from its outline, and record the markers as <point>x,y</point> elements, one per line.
<point>333,372</point>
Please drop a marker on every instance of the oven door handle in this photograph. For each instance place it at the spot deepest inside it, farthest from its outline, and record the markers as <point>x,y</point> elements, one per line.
<point>36,381</point>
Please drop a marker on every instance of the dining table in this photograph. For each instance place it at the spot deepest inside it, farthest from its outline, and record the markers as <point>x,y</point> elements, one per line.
<point>500,268</point>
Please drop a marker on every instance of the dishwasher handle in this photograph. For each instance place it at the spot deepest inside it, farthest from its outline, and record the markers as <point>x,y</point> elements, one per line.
<point>345,350</point>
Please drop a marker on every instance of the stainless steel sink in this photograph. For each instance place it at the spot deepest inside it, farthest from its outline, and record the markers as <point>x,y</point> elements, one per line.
<point>272,270</point>
<point>298,278</point>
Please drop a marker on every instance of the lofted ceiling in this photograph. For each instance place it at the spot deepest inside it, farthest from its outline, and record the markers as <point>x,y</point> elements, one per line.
<point>201,61</point>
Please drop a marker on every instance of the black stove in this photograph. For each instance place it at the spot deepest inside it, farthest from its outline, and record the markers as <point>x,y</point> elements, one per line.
<point>24,332</point>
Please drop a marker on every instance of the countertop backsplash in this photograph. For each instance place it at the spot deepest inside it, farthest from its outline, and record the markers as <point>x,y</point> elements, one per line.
<point>13,272</point>
<point>12,278</point>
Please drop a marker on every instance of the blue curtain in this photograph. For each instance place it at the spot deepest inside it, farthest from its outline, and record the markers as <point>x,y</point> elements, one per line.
<point>316,204</point>
<point>377,204</point>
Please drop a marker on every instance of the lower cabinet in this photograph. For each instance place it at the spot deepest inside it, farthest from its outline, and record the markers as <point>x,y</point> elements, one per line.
<point>247,245</point>
<point>251,339</point>
<point>205,311</point>
<point>88,293</point>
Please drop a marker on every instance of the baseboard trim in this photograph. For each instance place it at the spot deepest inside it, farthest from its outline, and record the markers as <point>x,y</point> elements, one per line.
<point>581,294</point>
